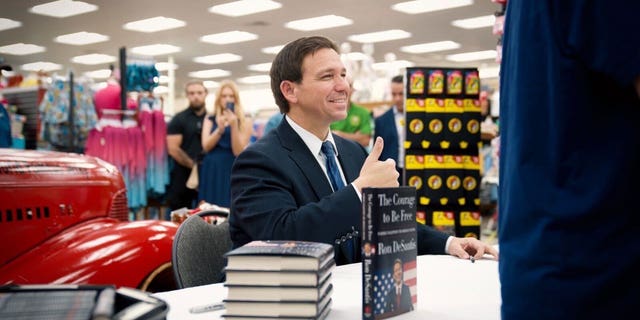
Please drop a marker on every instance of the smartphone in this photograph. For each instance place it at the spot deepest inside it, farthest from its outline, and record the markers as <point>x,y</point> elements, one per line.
<point>230,106</point>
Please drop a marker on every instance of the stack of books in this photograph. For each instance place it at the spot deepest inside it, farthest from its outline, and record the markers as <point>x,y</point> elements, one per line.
<point>279,280</point>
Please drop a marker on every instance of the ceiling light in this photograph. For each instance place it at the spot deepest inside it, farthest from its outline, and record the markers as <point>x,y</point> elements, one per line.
<point>210,84</point>
<point>244,7</point>
<point>398,64</point>
<point>164,66</point>
<point>155,49</point>
<point>430,47</point>
<point>229,37</point>
<point>6,24</point>
<point>317,23</point>
<point>218,58</point>
<point>154,24</point>
<point>489,72</point>
<point>260,67</point>
<point>81,38</point>
<point>97,86</point>
<point>272,50</point>
<point>357,56</point>
<point>21,49</point>
<point>422,6</point>
<point>94,58</point>
<point>472,56</point>
<point>255,79</point>
<point>41,66</point>
<point>63,8</point>
<point>163,79</point>
<point>211,73</point>
<point>475,23</point>
<point>160,90</point>
<point>380,36</point>
<point>99,74</point>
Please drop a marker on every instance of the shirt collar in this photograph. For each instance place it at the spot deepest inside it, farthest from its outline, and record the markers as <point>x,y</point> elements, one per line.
<point>310,140</point>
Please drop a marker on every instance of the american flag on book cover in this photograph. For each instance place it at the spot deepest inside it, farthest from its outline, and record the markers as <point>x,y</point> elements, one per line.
<point>383,282</point>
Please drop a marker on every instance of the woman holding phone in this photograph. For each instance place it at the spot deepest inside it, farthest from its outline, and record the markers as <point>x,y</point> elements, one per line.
<point>225,133</point>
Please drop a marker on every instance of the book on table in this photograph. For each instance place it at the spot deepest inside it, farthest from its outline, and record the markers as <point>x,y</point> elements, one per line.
<point>279,309</point>
<point>389,251</point>
<point>278,293</point>
<point>279,280</point>
<point>277,255</point>
<point>322,315</point>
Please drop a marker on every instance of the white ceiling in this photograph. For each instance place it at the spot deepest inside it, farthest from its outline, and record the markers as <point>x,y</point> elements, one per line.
<point>367,15</point>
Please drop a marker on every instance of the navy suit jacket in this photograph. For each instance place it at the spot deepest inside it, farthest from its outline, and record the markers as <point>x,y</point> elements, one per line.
<point>279,192</point>
<point>405,300</point>
<point>385,127</point>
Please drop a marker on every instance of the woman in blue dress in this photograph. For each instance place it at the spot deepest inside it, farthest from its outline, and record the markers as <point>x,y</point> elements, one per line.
<point>225,134</point>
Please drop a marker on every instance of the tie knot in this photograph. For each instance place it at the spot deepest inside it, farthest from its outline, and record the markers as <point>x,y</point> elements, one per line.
<point>327,149</point>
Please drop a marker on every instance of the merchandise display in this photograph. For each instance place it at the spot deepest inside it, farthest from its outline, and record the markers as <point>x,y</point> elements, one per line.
<point>442,160</point>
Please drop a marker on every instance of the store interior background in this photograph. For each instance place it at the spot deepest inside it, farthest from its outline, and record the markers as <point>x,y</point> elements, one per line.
<point>374,63</point>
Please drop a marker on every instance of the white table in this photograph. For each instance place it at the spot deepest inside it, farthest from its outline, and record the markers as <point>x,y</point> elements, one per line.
<point>448,288</point>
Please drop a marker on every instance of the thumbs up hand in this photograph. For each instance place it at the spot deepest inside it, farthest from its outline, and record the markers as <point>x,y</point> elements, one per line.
<point>376,173</point>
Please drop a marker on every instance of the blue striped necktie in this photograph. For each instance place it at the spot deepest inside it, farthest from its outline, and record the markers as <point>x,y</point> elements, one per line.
<point>332,166</point>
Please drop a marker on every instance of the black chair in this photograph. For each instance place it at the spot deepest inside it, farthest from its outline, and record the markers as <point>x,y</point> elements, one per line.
<point>198,249</point>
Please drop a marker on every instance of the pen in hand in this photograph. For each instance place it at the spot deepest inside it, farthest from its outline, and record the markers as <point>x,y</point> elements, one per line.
<point>473,260</point>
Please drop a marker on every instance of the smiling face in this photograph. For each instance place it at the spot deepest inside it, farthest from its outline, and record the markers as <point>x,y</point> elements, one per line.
<point>322,96</point>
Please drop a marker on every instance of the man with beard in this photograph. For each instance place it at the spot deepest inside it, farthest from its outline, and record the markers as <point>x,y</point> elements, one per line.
<point>184,146</point>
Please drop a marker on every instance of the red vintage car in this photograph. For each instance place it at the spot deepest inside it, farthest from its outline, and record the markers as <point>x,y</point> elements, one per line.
<point>64,220</point>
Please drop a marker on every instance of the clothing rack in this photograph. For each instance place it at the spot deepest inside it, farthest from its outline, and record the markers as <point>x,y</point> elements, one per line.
<point>123,78</point>
<point>72,104</point>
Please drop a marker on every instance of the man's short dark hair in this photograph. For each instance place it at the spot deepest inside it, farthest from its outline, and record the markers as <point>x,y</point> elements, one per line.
<point>397,79</point>
<point>288,64</point>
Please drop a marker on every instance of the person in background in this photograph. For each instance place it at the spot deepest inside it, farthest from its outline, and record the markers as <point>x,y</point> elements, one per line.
<point>272,123</point>
<point>569,156</point>
<point>300,181</point>
<point>390,126</point>
<point>184,147</point>
<point>224,135</point>
<point>357,125</point>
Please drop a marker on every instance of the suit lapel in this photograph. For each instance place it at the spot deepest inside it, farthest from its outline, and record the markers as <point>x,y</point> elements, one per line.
<point>306,162</point>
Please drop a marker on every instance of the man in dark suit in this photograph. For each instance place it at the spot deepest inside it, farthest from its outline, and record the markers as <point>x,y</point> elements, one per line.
<point>280,185</point>
<point>399,296</point>
<point>390,126</point>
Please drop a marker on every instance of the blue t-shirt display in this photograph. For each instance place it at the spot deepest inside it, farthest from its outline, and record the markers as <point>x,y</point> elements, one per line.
<point>5,128</point>
<point>570,151</point>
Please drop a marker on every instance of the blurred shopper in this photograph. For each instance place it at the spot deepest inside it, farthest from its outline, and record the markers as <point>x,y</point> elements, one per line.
<point>390,126</point>
<point>357,125</point>
<point>224,135</point>
<point>184,147</point>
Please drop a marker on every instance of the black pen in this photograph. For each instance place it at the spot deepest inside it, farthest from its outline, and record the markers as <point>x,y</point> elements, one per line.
<point>473,260</point>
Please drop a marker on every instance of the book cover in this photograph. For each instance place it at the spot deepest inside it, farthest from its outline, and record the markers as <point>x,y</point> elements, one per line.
<point>279,278</point>
<point>389,250</point>
<point>278,308</point>
<point>277,293</point>
<point>279,255</point>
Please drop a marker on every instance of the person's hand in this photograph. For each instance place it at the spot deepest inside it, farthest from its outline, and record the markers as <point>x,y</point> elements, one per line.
<point>230,116</point>
<point>222,121</point>
<point>376,173</point>
<point>465,247</point>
